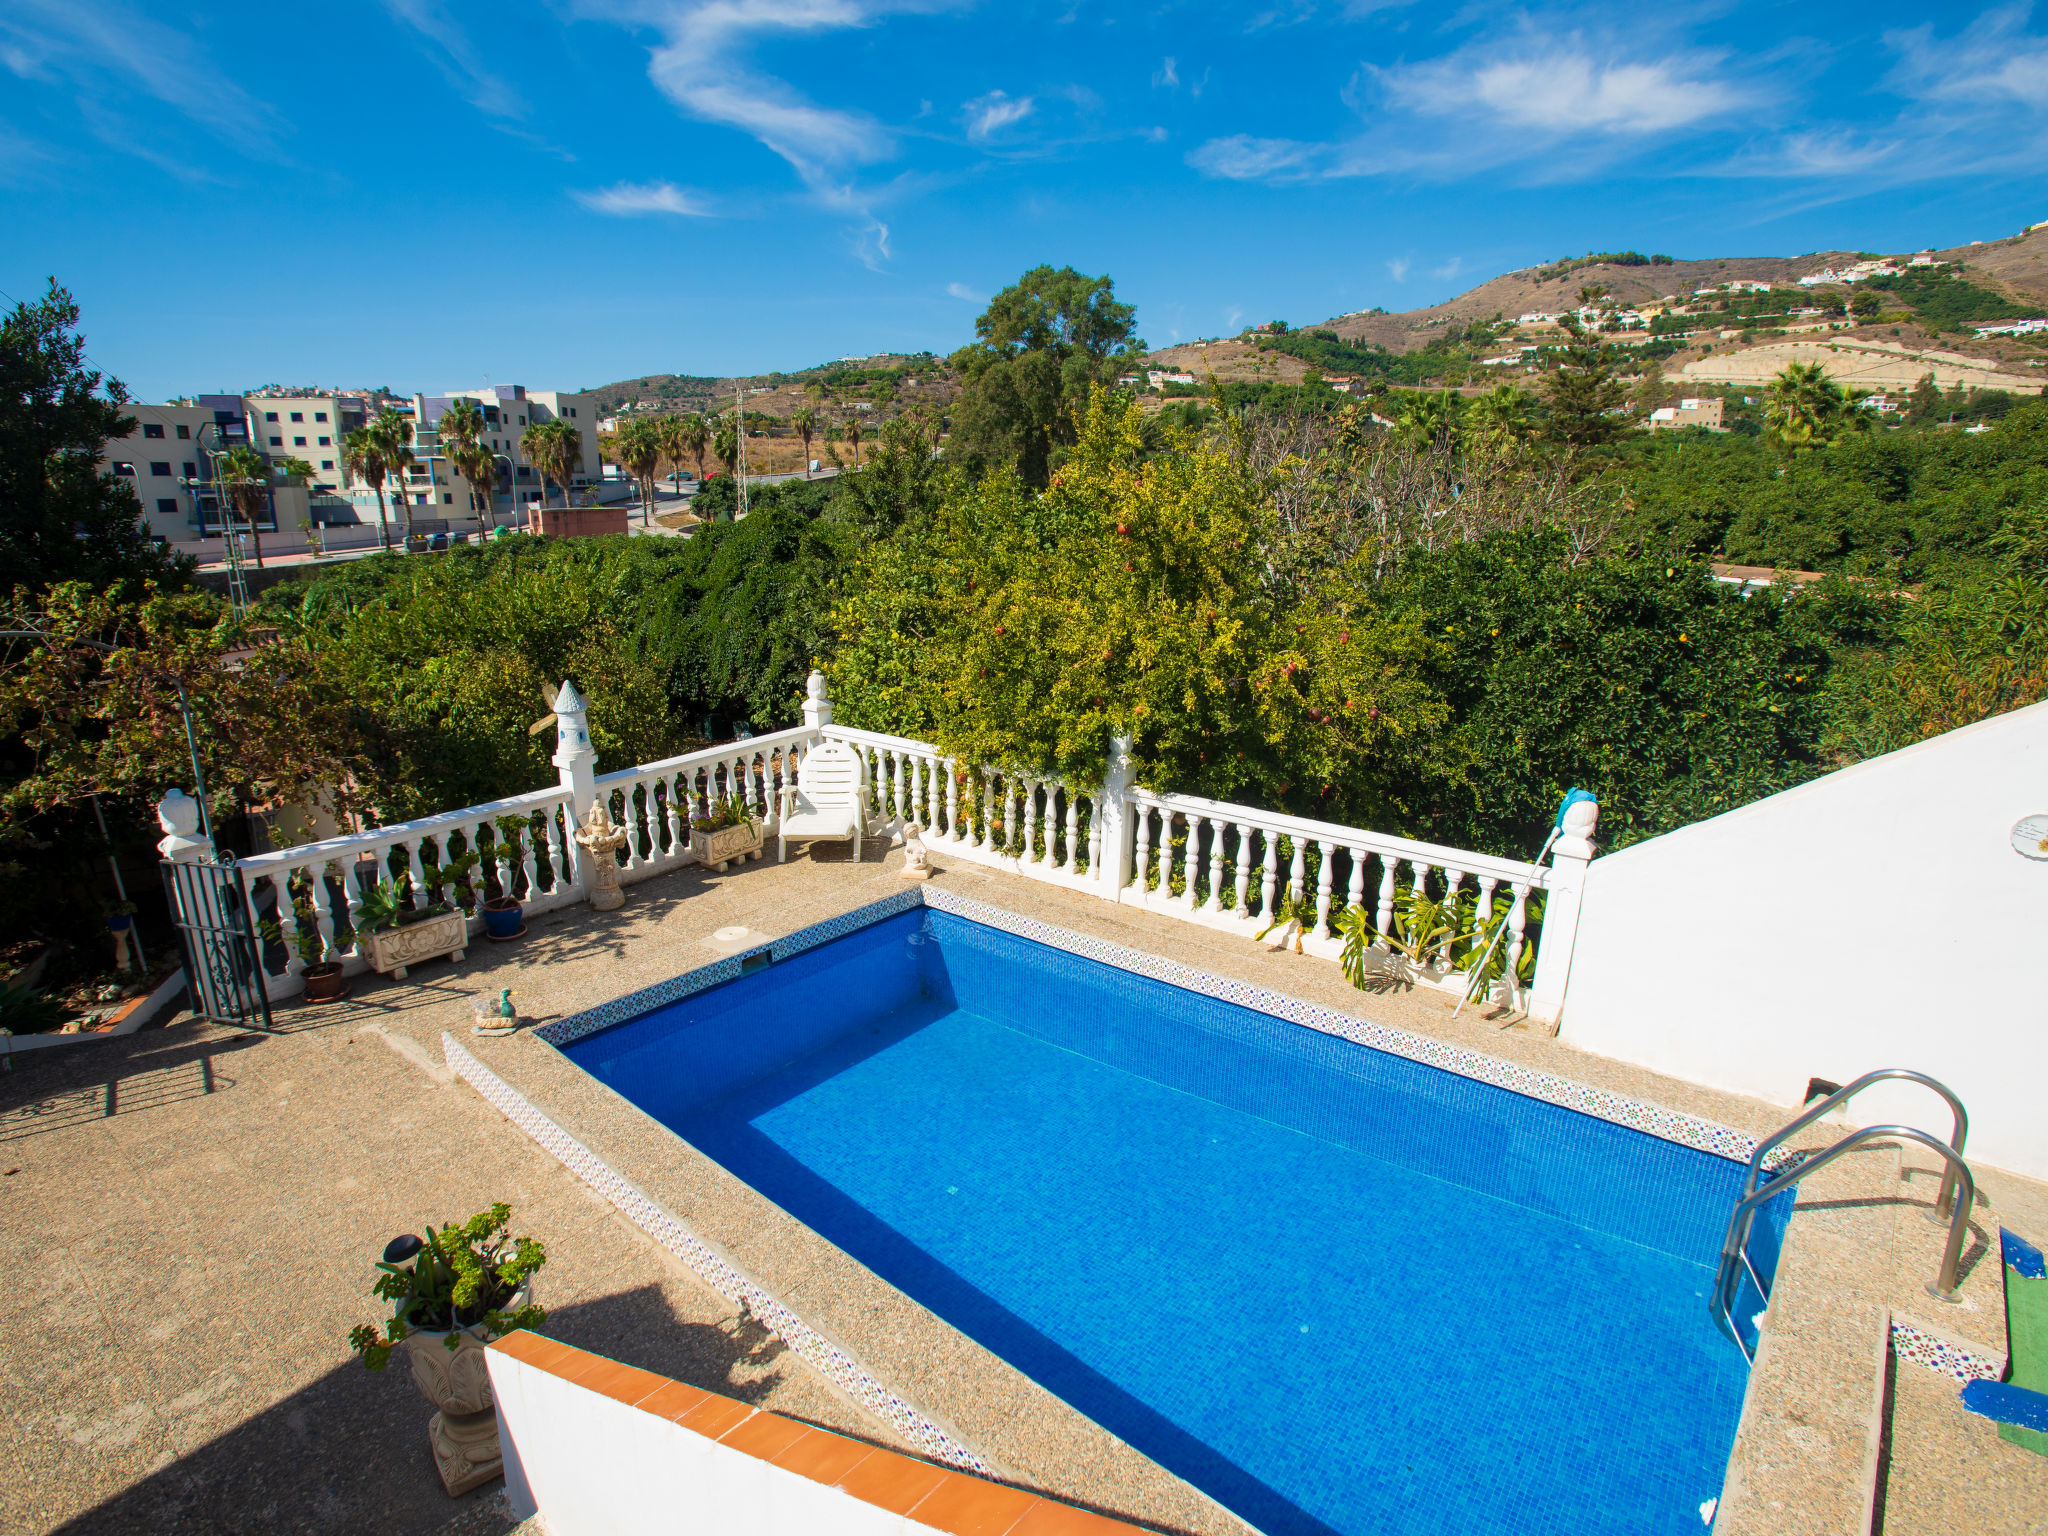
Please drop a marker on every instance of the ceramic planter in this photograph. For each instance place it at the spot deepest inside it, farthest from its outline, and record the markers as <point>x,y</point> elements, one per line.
<point>504,918</point>
<point>324,982</point>
<point>392,950</point>
<point>726,846</point>
<point>464,1429</point>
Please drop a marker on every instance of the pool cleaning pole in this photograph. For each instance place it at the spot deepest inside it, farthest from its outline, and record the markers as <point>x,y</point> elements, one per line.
<point>1571,797</point>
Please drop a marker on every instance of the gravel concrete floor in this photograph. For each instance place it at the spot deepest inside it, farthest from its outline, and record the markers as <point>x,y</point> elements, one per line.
<point>192,1214</point>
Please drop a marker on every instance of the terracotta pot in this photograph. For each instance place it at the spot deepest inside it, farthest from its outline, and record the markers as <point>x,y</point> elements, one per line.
<point>324,982</point>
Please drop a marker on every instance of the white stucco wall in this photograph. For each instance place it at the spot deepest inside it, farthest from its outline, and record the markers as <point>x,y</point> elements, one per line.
<point>1877,917</point>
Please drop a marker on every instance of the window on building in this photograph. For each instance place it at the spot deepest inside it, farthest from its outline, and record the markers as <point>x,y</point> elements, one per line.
<point>160,467</point>
<point>446,497</point>
<point>270,415</point>
<point>298,415</point>
<point>152,429</point>
<point>420,499</point>
<point>191,470</point>
<point>326,442</point>
<point>298,442</point>
<point>184,432</point>
<point>572,410</point>
<point>522,421</point>
<point>167,506</point>
<point>277,442</point>
<point>319,415</point>
<point>327,463</point>
<point>127,470</point>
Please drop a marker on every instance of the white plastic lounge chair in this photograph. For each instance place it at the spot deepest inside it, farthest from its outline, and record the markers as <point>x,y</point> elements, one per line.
<point>828,800</point>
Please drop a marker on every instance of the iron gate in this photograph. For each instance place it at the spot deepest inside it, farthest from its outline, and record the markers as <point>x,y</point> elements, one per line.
<point>223,951</point>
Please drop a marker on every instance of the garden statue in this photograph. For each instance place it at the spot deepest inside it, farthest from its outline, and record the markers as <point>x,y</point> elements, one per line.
<point>603,840</point>
<point>917,864</point>
<point>495,1016</point>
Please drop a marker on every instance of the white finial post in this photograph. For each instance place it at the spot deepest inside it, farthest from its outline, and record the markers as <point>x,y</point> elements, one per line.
<point>1113,817</point>
<point>817,707</point>
<point>1562,896</point>
<point>178,814</point>
<point>576,763</point>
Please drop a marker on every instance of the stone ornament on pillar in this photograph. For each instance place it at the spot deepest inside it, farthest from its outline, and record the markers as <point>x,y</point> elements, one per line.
<point>1575,841</point>
<point>817,706</point>
<point>178,814</point>
<point>576,763</point>
<point>1564,892</point>
<point>601,841</point>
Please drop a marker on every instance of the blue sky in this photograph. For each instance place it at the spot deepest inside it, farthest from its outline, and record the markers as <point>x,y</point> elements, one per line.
<point>566,192</point>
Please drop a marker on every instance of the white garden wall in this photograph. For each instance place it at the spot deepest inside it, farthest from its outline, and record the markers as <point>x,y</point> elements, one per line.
<point>1877,917</point>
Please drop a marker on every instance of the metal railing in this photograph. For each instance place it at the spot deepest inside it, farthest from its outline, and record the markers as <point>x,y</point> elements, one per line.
<point>1957,1198</point>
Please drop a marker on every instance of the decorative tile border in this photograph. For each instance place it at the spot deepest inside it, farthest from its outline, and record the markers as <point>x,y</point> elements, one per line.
<point>1951,1357</point>
<point>834,1363</point>
<point>1601,1103</point>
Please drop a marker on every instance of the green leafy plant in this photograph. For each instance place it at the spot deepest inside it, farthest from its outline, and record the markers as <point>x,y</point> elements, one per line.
<point>306,938</point>
<point>382,906</point>
<point>28,1010</point>
<point>1289,910</point>
<point>725,811</point>
<point>451,875</point>
<point>463,1278</point>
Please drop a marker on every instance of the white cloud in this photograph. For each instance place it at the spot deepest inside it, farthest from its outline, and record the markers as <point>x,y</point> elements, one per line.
<point>964,293</point>
<point>1993,58</point>
<point>990,114</point>
<point>1398,269</point>
<point>457,58</point>
<point>1244,158</point>
<point>1565,91</point>
<point>1450,268</point>
<point>626,200</point>
<point>1166,74</point>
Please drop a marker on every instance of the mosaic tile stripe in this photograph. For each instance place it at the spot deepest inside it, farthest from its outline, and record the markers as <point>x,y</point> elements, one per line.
<point>1654,1119</point>
<point>834,1363</point>
<point>1943,1355</point>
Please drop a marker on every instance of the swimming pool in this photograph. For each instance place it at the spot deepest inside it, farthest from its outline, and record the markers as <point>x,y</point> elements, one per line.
<point>1337,1289</point>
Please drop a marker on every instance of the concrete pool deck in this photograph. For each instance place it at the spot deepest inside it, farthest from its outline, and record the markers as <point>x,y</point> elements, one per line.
<point>194,1214</point>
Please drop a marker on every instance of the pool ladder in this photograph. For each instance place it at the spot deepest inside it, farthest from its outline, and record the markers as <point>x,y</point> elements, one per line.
<point>1953,1205</point>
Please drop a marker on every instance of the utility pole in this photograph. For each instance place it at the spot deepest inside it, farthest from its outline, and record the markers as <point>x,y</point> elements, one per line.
<point>739,410</point>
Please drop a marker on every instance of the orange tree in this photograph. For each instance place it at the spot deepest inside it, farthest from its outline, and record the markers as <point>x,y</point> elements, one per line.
<point>1132,599</point>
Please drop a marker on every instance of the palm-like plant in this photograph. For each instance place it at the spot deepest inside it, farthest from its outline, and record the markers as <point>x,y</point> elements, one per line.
<point>1804,405</point>
<point>1431,418</point>
<point>725,442</point>
<point>555,448</point>
<point>853,439</point>
<point>393,436</point>
<point>1502,411</point>
<point>805,420</point>
<point>668,431</point>
<point>693,436</point>
<point>364,459</point>
<point>638,445</point>
<point>245,477</point>
<point>460,430</point>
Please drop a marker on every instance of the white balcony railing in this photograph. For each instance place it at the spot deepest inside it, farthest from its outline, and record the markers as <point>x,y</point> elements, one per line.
<point>1226,866</point>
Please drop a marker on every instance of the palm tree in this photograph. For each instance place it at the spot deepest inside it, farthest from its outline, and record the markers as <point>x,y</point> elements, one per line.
<point>460,431</point>
<point>1504,410</point>
<point>246,478</point>
<point>393,436</point>
<point>364,458</point>
<point>805,420</point>
<point>725,442</point>
<point>1431,417</point>
<point>693,436</point>
<point>1803,405</point>
<point>479,466</point>
<point>555,448</point>
<point>668,432</point>
<point>853,438</point>
<point>639,449</point>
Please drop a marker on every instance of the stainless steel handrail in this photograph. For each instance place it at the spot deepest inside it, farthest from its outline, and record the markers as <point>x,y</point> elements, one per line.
<point>1842,1096</point>
<point>1735,1246</point>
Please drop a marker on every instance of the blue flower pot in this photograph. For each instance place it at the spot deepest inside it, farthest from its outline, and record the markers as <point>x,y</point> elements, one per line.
<point>503,918</point>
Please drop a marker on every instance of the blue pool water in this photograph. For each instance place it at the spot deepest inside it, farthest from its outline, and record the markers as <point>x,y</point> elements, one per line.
<point>1336,1290</point>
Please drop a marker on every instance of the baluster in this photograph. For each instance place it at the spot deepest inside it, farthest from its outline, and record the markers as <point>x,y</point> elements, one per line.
<point>1453,880</point>
<point>1297,869</point>
<point>1191,862</point>
<point>1244,869</point>
<point>952,799</point>
<point>352,898</point>
<point>500,847</point>
<point>1483,923</point>
<point>1217,831</point>
<point>1142,876</point>
<point>1073,864</point>
<point>1326,869</point>
<point>1032,822</point>
<point>1418,892</point>
<point>1095,838</point>
<point>1518,918</point>
<point>678,813</point>
<point>529,857</point>
<point>988,827</point>
<point>1269,875</point>
<point>287,924</point>
<point>322,901</point>
<point>419,874</point>
<point>474,880</point>
<point>906,790</point>
<point>560,865</point>
<point>1386,905</point>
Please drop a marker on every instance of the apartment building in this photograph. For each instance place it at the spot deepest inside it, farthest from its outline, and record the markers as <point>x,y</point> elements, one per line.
<point>508,410</point>
<point>1688,413</point>
<point>168,460</point>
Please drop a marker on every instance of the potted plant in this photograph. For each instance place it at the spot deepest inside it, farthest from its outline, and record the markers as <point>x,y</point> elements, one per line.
<point>725,833</point>
<point>504,917</point>
<point>398,936</point>
<point>450,1295</point>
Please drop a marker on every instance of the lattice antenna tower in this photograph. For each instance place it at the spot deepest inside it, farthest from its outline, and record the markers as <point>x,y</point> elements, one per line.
<point>739,426</point>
